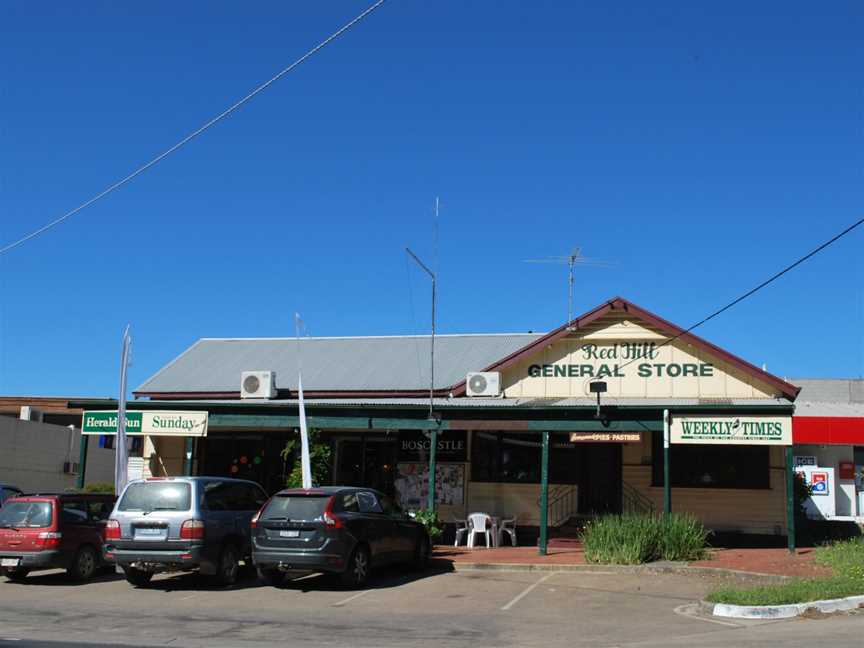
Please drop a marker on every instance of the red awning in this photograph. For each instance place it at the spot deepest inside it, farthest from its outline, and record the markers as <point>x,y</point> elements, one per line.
<point>828,430</point>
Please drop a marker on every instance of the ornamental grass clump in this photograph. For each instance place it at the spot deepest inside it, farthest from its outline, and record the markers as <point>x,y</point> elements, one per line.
<point>632,539</point>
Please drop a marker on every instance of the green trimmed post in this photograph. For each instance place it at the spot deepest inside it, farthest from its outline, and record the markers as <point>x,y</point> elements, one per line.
<point>790,501</point>
<point>544,495</point>
<point>667,484</point>
<point>187,456</point>
<point>433,448</point>
<point>82,460</point>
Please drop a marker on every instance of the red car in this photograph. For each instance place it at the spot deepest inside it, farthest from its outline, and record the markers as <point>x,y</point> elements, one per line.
<point>50,531</point>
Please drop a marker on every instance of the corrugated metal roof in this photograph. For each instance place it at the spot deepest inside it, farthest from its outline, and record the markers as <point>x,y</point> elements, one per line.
<point>454,403</point>
<point>830,390</point>
<point>333,364</point>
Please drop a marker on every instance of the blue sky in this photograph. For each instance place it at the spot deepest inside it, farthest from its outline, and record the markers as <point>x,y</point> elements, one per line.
<point>700,147</point>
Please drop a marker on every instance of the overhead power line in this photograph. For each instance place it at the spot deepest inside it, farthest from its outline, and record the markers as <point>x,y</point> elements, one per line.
<point>762,285</point>
<point>194,133</point>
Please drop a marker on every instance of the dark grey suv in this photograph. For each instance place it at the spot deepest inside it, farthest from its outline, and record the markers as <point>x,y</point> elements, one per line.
<point>341,530</point>
<point>182,523</point>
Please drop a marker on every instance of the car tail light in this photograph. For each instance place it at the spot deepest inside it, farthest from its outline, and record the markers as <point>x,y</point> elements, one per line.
<point>331,520</point>
<point>254,522</point>
<point>192,530</point>
<point>49,539</point>
<point>112,530</point>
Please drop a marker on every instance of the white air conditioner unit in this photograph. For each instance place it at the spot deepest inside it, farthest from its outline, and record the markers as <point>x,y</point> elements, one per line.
<point>258,384</point>
<point>483,383</point>
<point>30,413</point>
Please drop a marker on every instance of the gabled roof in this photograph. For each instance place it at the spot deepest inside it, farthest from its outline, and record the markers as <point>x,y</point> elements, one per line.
<point>388,367</point>
<point>619,304</point>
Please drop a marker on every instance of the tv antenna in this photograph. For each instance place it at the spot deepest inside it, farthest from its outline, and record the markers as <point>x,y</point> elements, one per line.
<point>572,260</point>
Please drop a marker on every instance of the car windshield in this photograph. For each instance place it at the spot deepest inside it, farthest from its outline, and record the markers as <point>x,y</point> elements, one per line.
<point>20,515</point>
<point>157,496</point>
<point>296,507</point>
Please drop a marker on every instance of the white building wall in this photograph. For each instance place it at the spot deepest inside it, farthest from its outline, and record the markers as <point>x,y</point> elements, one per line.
<point>32,456</point>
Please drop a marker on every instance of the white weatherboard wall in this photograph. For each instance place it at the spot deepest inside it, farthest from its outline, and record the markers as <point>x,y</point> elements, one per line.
<point>32,456</point>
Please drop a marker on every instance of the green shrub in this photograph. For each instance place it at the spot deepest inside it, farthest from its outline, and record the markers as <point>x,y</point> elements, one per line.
<point>430,520</point>
<point>632,539</point>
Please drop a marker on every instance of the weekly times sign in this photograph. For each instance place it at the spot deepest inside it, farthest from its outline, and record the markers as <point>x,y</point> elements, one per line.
<point>732,430</point>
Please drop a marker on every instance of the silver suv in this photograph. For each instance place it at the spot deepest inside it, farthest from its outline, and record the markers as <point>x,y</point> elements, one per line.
<point>165,524</point>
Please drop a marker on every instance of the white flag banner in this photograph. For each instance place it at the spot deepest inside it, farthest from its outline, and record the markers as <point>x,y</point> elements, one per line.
<point>305,463</point>
<point>121,455</point>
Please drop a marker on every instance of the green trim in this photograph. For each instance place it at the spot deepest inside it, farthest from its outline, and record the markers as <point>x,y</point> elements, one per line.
<point>542,544</point>
<point>790,500</point>
<point>433,448</point>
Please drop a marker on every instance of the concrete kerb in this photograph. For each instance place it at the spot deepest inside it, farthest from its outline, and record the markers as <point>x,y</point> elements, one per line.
<point>827,606</point>
<point>651,568</point>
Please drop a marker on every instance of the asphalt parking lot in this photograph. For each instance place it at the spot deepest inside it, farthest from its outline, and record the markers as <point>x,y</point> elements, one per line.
<point>478,608</point>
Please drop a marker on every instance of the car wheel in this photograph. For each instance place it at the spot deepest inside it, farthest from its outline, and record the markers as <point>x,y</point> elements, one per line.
<point>272,577</point>
<point>137,577</point>
<point>358,568</point>
<point>17,574</point>
<point>84,564</point>
<point>229,565</point>
<point>421,554</point>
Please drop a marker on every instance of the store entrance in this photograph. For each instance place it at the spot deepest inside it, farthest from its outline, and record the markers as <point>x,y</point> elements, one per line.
<point>366,460</point>
<point>599,478</point>
<point>257,457</point>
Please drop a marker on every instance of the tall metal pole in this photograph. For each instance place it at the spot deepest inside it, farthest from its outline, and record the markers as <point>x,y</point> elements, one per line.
<point>82,460</point>
<point>790,501</point>
<point>433,441</point>
<point>667,484</point>
<point>544,494</point>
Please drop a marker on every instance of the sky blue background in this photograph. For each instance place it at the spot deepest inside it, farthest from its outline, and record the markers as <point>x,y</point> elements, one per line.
<point>700,146</point>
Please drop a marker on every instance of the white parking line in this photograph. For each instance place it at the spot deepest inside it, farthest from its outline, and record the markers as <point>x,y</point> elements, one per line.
<point>527,591</point>
<point>351,598</point>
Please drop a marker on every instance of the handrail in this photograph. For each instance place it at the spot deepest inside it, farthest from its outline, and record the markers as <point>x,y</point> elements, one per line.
<point>562,503</point>
<point>632,501</point>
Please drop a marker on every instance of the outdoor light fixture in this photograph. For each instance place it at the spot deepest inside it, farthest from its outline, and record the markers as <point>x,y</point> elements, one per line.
<point>597,387</point>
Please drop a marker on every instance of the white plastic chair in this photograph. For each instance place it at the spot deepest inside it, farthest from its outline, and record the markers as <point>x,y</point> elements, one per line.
<point>461,530</point>
<point>480,523</point>
<point>508,526</point>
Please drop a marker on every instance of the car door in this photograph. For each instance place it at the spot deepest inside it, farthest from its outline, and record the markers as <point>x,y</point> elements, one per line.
<point>74,526</point>
<point>246,500</point>
<point>404,529</point>
<point>379,529</point>
<point>219,518</point>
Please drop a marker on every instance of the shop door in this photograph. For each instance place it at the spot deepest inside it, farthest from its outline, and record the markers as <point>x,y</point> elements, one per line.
<point>600,479</point>
<point>254,457</point>
<point>367,463</point>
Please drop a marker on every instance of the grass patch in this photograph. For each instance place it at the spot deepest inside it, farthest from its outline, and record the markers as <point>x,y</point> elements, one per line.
<point>632,539</point>
<point>845,559</point>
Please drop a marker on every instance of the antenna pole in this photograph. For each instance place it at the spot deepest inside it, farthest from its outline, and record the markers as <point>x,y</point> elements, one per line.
<point>432,349</point>
<point>433,440</point>
<point>571,263</point>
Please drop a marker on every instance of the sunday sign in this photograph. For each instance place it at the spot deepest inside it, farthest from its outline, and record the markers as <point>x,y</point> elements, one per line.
<point>156,423</point>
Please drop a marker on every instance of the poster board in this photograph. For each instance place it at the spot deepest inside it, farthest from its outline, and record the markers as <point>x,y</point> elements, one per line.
<point>412,485</point>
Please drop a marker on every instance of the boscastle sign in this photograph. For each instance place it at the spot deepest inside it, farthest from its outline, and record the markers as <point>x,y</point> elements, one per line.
<point>161,423</point>
<point>732,430</point>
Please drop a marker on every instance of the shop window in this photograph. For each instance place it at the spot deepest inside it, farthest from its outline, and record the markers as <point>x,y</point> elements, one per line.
<point>712,466</point>
<point>515,458</point>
